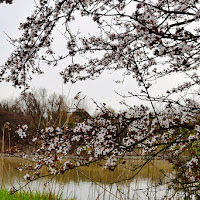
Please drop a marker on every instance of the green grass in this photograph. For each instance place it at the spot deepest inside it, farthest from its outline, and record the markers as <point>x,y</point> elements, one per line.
<point>5,195</point>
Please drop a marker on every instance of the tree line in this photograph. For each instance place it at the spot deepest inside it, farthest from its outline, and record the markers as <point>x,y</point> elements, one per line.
<point>39,109</point>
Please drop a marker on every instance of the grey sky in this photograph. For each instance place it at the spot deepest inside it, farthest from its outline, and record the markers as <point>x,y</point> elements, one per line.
<point>101,90</point>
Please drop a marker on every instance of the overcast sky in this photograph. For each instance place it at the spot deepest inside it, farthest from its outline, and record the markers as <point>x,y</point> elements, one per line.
<point>101,90</point>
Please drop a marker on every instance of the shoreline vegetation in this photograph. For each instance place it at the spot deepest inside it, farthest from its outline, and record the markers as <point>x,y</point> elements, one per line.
<point>22,195</point>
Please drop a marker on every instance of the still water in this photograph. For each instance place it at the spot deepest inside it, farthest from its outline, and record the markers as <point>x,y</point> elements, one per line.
<point>95,182</point>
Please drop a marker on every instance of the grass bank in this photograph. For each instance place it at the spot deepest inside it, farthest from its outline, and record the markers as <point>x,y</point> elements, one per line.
<point>22,195</point>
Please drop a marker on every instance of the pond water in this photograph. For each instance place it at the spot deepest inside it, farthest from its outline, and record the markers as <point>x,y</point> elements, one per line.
<point>95,182</point>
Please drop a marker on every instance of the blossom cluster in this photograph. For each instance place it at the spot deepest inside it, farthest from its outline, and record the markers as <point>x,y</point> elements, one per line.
<point>151,41</point>
<point>110,137</point>
<point>22,131</point>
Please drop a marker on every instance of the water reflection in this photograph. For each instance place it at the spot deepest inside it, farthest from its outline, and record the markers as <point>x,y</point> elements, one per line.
<point>94,182</point>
